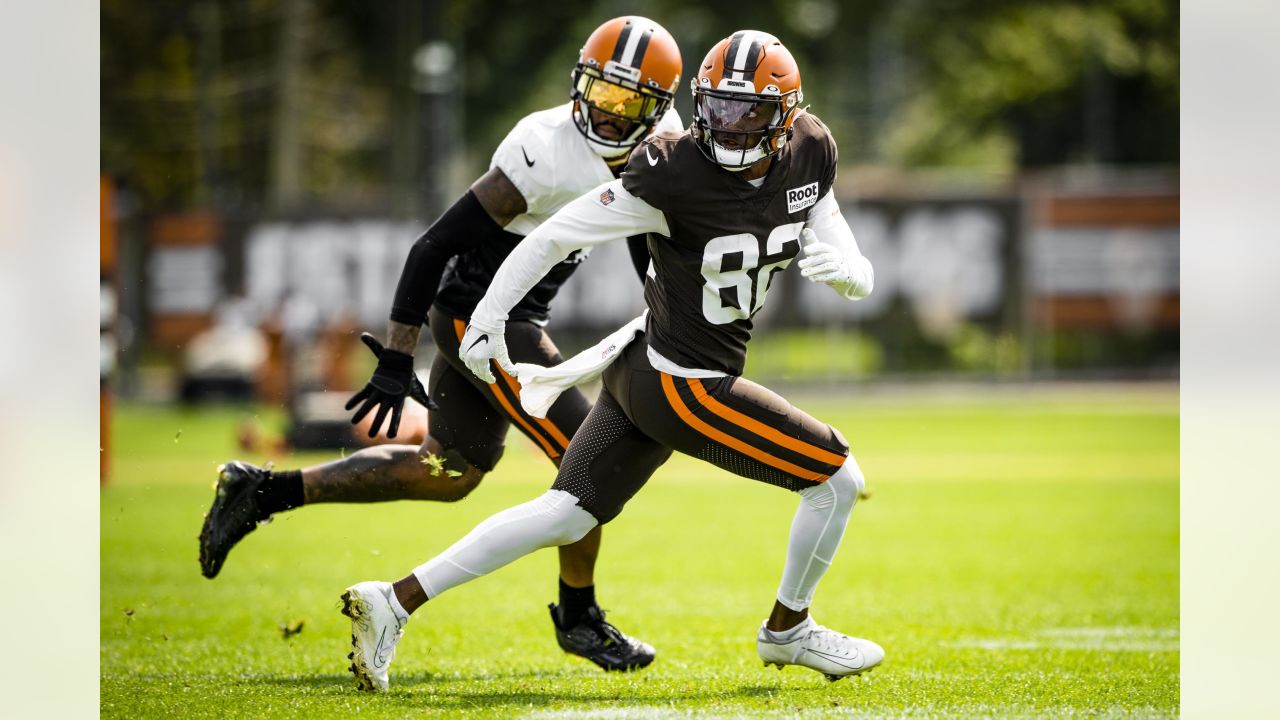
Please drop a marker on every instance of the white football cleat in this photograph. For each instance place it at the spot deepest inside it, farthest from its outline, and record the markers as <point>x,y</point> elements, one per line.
<point>375,630</point>
<point>823,649</point>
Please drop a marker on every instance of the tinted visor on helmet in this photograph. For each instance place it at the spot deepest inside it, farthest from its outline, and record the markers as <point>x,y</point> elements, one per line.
<point>737,124</point>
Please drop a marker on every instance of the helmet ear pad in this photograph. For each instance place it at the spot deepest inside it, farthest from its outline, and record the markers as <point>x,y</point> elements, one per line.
<point>781,141</point>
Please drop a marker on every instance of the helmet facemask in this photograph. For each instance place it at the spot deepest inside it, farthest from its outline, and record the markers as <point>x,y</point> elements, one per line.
<point>630,109</point>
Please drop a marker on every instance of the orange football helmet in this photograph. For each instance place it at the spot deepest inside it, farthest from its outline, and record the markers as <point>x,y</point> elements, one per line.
<point>745,98</point>
<point>626,77</point>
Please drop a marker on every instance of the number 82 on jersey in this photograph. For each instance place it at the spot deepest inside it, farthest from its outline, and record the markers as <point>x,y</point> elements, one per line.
<point>737,293</point>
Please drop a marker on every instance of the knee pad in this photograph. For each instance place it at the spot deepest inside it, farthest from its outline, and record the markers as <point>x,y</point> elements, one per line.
<point>842,487</point>
<point>850,475</point>
<point>567,522</point>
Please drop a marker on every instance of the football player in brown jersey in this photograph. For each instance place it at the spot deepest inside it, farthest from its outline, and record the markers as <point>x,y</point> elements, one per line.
<point>726,205</point>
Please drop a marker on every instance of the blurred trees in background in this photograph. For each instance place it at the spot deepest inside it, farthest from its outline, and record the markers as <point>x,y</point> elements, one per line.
<point>283,105</point>
<point>1037,83</point>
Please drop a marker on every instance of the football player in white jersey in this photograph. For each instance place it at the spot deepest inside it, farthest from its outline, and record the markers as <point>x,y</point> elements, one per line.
<point>623,84</point>
<point>726,205</point>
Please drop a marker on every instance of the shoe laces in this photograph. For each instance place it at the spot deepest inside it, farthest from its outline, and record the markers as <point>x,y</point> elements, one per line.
<point>594,619</point>
<point>829,640</point>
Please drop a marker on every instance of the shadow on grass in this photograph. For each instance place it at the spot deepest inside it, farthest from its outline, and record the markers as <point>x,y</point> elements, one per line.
<point>532,688</point>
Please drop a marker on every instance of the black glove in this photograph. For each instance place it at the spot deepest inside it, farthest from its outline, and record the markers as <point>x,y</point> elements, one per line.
<point>392,380</point>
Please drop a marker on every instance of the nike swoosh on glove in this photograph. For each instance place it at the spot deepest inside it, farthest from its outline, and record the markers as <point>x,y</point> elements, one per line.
<point>826,264</point>
<point>480,344</point>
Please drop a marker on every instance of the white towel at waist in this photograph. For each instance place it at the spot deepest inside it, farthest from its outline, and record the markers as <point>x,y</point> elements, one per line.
<point>540,386</point>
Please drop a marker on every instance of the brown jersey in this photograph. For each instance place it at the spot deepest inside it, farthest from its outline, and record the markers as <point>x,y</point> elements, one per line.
<point>727,241</point>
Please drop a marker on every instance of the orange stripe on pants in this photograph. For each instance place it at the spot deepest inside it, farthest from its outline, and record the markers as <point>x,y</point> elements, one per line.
<point>683,412</point>
<point>810,451</point>
<point>461,329</point>
<point>544,422</point>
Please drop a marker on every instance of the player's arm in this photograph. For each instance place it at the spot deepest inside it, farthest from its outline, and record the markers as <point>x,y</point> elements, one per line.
<point>831,252</point>
<point>606,213</point>
<point>491,203</point>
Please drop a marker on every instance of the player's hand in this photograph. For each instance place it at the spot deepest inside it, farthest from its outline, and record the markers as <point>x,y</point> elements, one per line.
<point>482,343</point>
<point>416,390</point>
<point>825,264</point>
<point>386,390</point>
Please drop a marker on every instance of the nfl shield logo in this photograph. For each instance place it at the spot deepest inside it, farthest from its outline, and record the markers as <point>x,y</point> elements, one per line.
<point>606,197</point>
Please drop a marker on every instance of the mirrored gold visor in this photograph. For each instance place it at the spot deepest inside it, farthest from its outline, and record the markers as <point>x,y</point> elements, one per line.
<point>617,100</point>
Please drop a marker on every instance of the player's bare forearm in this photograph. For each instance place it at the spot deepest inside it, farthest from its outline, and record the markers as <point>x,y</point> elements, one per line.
<point>499,197</point>
<point>402,337</point>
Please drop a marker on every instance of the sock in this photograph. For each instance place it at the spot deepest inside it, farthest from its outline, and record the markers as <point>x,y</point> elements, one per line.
<point>574,603</point>
<point>401,614</point>
<point>282,491</point>
<point>783,637</point>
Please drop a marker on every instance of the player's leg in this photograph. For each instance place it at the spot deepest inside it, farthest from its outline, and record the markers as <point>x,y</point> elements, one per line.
<point>578,620</point>
<point>746,429</point>
<point>581,628</point>
<point>466,441</point>
<point>608,461</point>
<point>577,617</point>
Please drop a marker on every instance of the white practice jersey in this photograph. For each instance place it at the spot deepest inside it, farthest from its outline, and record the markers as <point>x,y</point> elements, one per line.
<point>551,163</point>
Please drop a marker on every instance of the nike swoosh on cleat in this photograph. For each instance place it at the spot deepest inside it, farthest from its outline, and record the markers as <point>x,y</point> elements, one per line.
<point>479,340</point>
<point>377,652</point>
<point>526,157</point>
<point>837,659</point>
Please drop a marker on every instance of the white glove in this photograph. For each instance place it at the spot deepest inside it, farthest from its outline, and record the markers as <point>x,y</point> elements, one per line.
<point>482,343</point>
<point>826,264</point>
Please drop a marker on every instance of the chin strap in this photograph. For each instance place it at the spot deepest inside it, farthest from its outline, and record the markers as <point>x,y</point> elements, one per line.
<point>608,153</point>
<point>723,155</point>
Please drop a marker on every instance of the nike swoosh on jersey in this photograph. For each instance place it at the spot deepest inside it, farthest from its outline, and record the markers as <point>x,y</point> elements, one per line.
<point>479,340</point>
<point>652,160</point>
<point>527,161</point>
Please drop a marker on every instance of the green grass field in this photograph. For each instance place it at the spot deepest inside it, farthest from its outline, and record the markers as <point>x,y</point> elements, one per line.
<point>1018,558</point>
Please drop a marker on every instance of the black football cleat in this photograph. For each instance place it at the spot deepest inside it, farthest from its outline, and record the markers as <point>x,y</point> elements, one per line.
<point>235,513</point>
<point>601,643</point>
